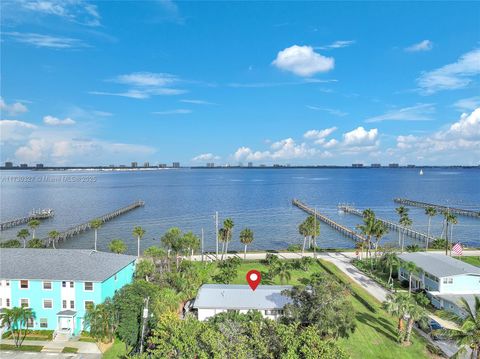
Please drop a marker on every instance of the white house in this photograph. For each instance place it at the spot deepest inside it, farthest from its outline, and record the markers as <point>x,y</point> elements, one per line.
<point>445,279</point>
<point>217,298</point>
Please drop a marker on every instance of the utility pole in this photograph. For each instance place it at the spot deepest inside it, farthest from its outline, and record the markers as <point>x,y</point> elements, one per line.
<point>202,245</point>
<point>216,235</point>
<point>144,320</point>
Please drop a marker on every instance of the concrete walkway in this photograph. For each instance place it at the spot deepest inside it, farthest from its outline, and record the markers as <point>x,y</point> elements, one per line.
<point>56,347</point>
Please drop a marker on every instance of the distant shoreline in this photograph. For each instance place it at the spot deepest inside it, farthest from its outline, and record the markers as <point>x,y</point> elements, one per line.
<point>153,168</point>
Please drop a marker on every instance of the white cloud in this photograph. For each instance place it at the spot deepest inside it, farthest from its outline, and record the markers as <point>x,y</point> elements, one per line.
<point>329,110</point>
<point>281,150</point>
<point>206,157</point>
<point>180,111</point>
<point>197,102</point>
<point>12,109</point>
<point>331,143</point>
<point>13,130</point>
<point>468,104</point>
<point>41,40</point>
<point>419,112</point>
<point>425,45</point>
<point>459,143</point>
<point>55,121</point>
<point>319,135</point>
<point>360,137</point>
<point>452,76</point>
<point>337,45</point>
<point>303,61</point>
<point>146,79</point>
<point>77,11</point>
<point>143,85</point>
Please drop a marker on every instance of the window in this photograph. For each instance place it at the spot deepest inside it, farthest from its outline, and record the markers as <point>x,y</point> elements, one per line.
<point>273,312</point>
<point>64,284</point>
<point>47,285</point>
<point>24,303</point>
<point>64,304</point>
<point>88,304</point>
<point>88,286</point>
<point>7,302</point>
<point>30,323</point>
<point>450,280</point>
<point>72,304</point>
<point>24,284</point>
<point>43,323</point>
<point>115,277</point>
<point>47,304</point>
<point>71,284</point>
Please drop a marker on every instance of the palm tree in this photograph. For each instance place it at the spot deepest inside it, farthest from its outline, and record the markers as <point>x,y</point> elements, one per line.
<point>96,224</point>
<point>246,237</point>
<point>468,333</point>
<point>138,232</point>
<point>430,212</point>
<point>53,236</point>
<point>117,246</point>
<point>190,242</point>
<point>397,305</point>
<point>449,220</point>
<point>222,237</point>
<point>405,222</point>
<point>415,313</point>
<point>228,225</point>
<point>390,260</point>
<point>412,269</point>
<point>33,224</point>
<point>402,212</point>
<point>282,270</point>
<point>312,226</point>
<point>17,320</point>
<point>379,230</point>
<point>367,228</point>
<point>303,230</point>
<point>23,234</point>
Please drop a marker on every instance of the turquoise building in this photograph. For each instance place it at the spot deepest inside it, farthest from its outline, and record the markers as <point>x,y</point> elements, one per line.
<point>60,284</point>
<point>445,279</point>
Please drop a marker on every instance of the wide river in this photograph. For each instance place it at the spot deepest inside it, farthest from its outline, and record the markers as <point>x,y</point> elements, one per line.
<point>256,198</point>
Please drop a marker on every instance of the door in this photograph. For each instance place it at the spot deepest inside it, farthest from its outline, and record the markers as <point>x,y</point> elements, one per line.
<point>65,323</point>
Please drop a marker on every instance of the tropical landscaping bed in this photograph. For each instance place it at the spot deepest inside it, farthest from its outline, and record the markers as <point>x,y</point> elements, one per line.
<point>23,348</point>
<point>38,335</point>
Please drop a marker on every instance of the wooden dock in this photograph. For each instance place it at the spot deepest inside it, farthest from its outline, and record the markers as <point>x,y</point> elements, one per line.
<point>73,231</point>
<point>35,214</point>
<point>347,232</point>
<point>392,225</point>
<point>440,208</point>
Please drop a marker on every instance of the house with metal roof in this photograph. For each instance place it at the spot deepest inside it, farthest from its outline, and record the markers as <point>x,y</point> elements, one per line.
<point>60,284</point>
<point>213,299</point>
<point>445,279</point>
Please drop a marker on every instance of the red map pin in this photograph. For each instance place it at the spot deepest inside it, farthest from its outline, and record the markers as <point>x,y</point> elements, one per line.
<point>254,278</point>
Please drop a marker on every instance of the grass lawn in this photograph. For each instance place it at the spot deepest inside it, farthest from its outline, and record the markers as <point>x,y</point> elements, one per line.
<point>471,260</point>
<point>117,350</point>
<point>23,348</point>
<point>69,350</point>
<point>375,335</point>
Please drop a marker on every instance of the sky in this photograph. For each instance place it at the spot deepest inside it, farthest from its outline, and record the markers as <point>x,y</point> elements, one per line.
<point>300,83</point>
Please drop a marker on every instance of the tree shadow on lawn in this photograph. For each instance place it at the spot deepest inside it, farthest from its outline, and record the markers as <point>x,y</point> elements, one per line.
<point>381,326</point>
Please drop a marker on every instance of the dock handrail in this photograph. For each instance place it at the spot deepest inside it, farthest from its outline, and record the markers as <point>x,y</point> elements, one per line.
<point>408,231</point>
<point>34,214</point>
<point>441,208</point>
<point>347,232</point>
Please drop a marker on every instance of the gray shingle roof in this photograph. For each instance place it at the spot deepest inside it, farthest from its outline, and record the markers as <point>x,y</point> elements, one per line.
<point>226,296</point>
<point>439,265</point>
<point>60,264</point>
<point>456,298</point>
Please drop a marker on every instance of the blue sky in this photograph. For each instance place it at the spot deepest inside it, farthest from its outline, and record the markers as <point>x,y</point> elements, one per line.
<point>112,82</point>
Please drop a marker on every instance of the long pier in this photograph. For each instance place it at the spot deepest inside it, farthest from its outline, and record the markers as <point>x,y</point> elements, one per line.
<point>347,232</point>
<point>389,224</point>
<point>440,208</point>
<point>35,214</point>
<point>73,231</point>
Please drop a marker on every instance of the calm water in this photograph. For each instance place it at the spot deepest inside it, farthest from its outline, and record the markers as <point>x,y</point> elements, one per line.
<point>257,198</point>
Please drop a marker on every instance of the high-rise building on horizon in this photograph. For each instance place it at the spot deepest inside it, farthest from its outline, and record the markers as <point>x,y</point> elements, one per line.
<point>8,165</point>
<point>134,164</point>
<point>176,164</point>
<point>376,165</point>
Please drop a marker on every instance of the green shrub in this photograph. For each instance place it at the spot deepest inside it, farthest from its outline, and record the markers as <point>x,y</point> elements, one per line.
<point>69,350</point>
